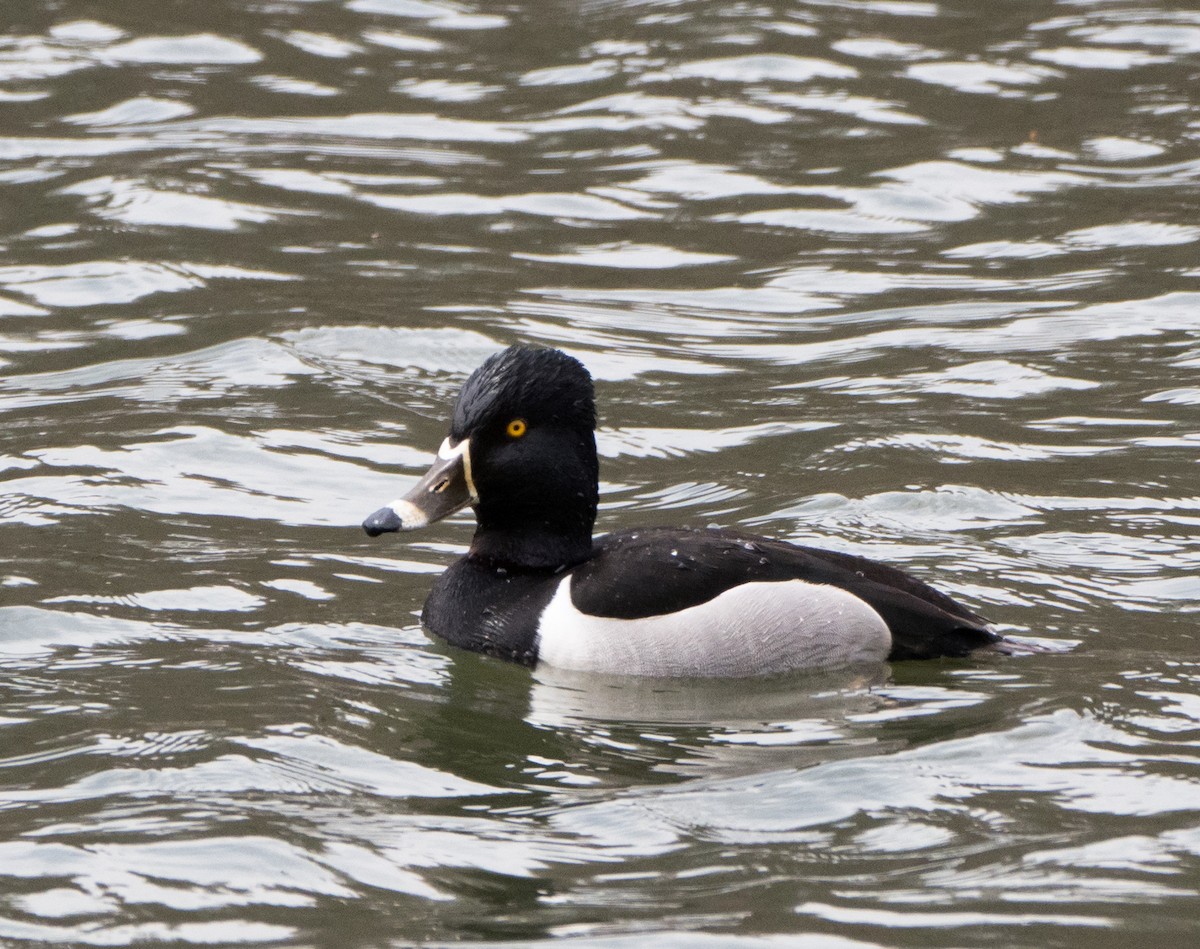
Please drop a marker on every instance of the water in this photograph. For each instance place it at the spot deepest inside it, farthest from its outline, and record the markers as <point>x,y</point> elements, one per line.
<point>913,280</point>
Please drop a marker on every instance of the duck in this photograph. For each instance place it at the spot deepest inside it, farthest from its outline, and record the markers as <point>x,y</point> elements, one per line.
<point>537,588</point>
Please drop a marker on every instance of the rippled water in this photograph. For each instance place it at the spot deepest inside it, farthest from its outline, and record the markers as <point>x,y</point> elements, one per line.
<point>914,280</point>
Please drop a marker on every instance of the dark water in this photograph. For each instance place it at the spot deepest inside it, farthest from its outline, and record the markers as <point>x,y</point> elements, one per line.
<point>914,280</point>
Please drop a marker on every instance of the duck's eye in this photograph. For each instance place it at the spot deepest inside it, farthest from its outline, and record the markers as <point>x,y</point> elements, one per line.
<point>516,428</point>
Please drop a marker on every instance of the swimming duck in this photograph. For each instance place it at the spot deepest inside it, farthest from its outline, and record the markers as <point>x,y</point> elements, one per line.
<point>536,587</point>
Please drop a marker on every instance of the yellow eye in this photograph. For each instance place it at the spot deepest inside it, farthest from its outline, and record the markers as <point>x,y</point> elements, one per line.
<point>516,428</point>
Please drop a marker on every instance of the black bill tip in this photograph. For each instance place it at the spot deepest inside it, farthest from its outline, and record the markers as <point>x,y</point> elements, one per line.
<point>383,521</point>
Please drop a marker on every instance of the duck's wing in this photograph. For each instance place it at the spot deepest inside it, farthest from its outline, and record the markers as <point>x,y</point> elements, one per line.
<point>642,573</point>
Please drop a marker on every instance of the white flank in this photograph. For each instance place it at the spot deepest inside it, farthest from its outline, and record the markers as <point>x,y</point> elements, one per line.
<point>751,629</point>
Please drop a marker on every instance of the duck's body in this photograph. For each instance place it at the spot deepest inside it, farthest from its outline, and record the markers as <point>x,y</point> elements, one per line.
<point>536,588</point>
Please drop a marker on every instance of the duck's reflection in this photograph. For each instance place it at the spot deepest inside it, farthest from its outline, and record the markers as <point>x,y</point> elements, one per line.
<point>726,724</point>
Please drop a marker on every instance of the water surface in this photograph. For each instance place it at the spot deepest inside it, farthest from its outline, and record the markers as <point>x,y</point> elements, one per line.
<point>912,280</point>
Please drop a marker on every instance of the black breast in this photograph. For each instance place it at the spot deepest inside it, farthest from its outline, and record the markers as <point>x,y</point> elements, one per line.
<point>489,609</point>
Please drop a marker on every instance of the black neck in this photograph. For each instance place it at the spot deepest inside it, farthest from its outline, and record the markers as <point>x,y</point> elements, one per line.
<point>530,548</point>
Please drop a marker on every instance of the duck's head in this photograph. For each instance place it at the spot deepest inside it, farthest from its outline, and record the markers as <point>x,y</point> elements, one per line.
<point>522,452</point>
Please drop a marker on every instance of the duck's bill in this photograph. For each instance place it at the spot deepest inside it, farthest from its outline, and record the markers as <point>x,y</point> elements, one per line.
<point>446,487</point>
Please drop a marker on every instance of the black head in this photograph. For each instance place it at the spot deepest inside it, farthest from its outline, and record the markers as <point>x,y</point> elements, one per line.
<point>538,385</point>
<point>522,453</point>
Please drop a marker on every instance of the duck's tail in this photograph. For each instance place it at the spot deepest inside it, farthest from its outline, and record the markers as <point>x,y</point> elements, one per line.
<point>1026,646</point>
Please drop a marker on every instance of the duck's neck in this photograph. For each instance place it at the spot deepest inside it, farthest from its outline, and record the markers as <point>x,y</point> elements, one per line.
<point>532,547</point>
